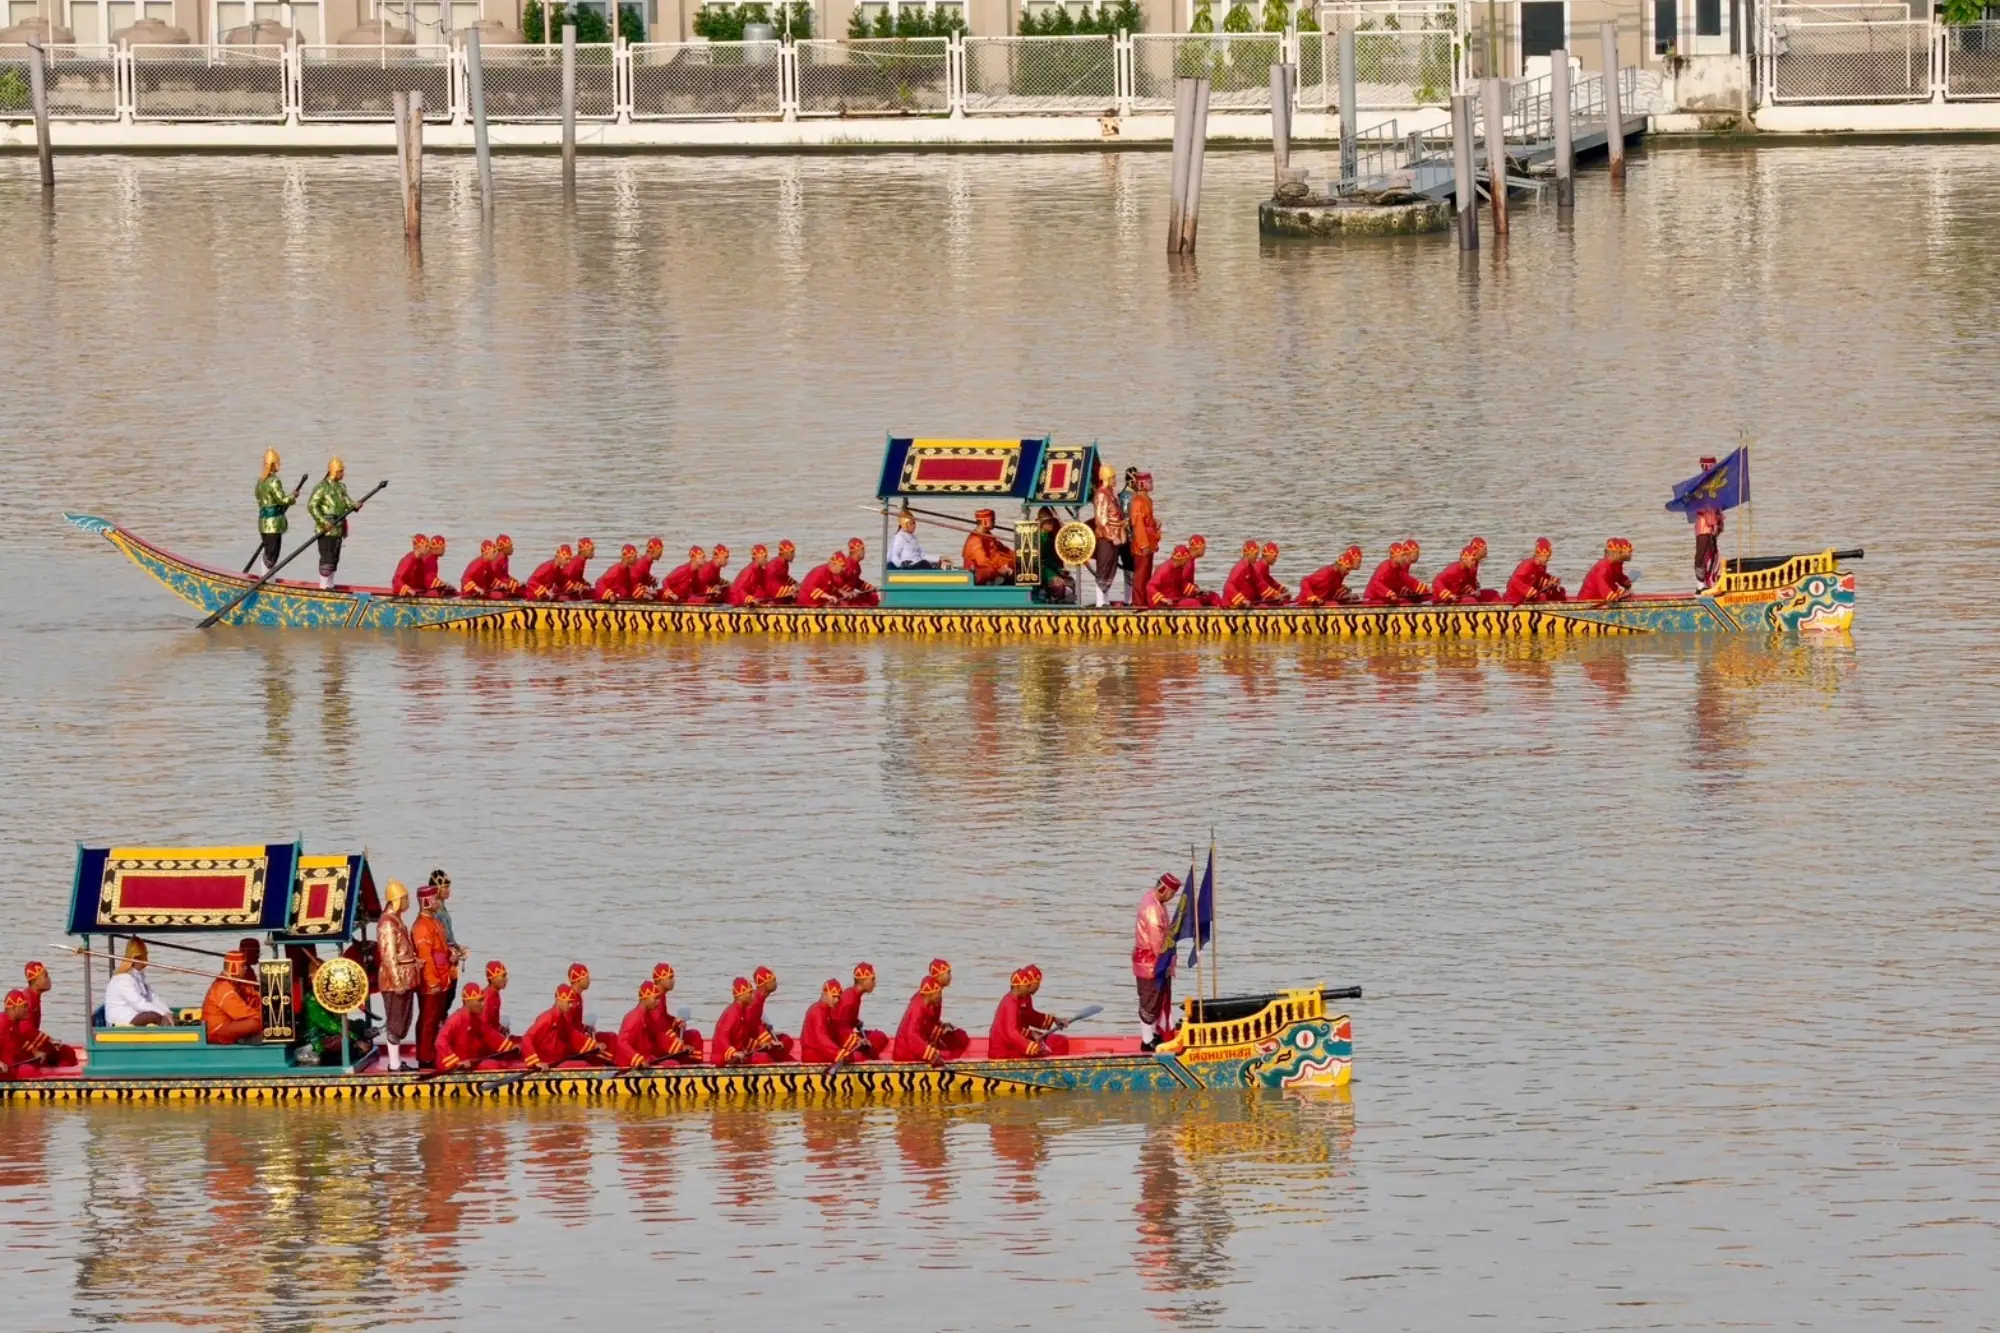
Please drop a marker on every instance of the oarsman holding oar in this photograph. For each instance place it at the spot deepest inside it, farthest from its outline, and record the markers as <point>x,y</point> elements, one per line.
<point>329,506</point>
<point>272,502</point>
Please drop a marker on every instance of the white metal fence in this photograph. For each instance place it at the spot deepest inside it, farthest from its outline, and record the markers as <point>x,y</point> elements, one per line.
<point>240,83</point>
<point>1393,70</point>
<point>360,82</point>
<point>1971,58</point>
<point>84,82</point>
<point>1078,76</point>
<point>1236,65</point>
<point>706,81</point>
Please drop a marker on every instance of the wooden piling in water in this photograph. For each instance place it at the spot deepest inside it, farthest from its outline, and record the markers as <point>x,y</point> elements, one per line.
<point>1281,123</point>
<point>475,87</point>
<point>1465,189</point>
<point>1496,154</point>
<point>1177,177</point>
<point>409,113</point>
<point>1197,152</point>
<point>569,111</point>
<point>1559,105</point>
<point>38,93</point>
<point>1614,114</point>
<point>1350,110</point>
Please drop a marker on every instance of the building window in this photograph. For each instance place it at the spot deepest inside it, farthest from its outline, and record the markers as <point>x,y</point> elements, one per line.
<point>1666,25</point>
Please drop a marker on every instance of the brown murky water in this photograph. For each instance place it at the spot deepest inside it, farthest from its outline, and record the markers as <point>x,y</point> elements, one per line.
<point>1679,956</point>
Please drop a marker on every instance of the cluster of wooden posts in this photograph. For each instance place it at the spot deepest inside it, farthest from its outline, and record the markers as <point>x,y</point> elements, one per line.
<point>1465,184</point>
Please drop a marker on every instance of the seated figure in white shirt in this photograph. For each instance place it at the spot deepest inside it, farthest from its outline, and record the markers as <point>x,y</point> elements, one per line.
<point>129,1001</point>
<point>905,551</point>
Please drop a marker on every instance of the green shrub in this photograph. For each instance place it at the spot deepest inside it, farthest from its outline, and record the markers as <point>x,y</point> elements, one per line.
<point>907,23</point>
<point>1277,15</point>
<point>1107,20</point>
<point>1238,19</point>
<point>1204,17</point>
<point>725,23</point>
<point>14,92</point>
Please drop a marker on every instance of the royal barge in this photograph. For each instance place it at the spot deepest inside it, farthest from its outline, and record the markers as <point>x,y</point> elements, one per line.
<point>1777,594</point>
<point>1290,1039</point>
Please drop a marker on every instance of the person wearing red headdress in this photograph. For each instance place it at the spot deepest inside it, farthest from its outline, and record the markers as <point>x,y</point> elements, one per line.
<point>477,580</point>
<point>861,1043</point>
<point>559,1034</point>
<point>14,1053</point>
<point>434,583</point>
<point>1459,581</point>
<point>232,1011</point>
<point>1531,581</point>
<point>409,579</point>
<point>548,579</point>
<point>819,1037</point>
<point>438,969</point>
<point>675,1038</point>
<point>1607,580</point>
<point>40,1046</point>
<point>736,1038</point>
<point>501,582</point>
<point>855,590</point>
<point>638,1044</point>
<point>644,581</point>
<point>465,1042</point>
<point>712,580</point>
<point>990,560</point>
<point>1243,588</point>
<point>499,1040</point>
<point>576,573</point>
<point>619,583</point>
<point>821,587</point>
<point>1015,1035</point>
<point>924,1036</point>
<point>779,586</point>
<point>1145,536</point>
<point>1153,960</point>
<point>1393,583</point>
<point>1197,547</point>
<point>1171,585</point>
<point>682,581</point>
<point>747,588</point>
<point>777,1045</point>
<point>1328,585</point>
<point>1273,592</point>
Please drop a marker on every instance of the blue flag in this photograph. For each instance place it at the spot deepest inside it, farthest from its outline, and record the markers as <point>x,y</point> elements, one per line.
<point>1723,486</point>
<point>1198,923</point>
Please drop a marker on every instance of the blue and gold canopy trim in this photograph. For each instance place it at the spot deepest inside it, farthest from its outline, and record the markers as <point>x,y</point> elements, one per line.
<point>1034,471</point>
<point>324,898</point>
<point>164,890</point>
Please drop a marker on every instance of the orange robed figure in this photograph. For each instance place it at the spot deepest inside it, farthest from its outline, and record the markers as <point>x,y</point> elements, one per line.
<point>1532,581</point>
<point>232,1011</point>
<point>985,555</point>
<point>923,1034</point>
<point>1145,527</point>
<point>1607,580</point>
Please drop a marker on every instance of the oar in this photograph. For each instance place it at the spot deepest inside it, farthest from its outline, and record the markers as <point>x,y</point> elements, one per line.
<point>244,596</point>
<point>296,492</point>
<point>1089,1011</point>
<point>164,967</point>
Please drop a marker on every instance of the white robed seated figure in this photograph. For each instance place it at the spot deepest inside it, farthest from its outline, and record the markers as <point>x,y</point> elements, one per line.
<point>905,551</point>
<point>129,1001</point>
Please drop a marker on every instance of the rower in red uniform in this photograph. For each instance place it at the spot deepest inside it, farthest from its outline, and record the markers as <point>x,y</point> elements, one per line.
<point>819,1039</point>
<point>576,574</point>
<point>735,1040</point>
<point>465,1042</point>
<point>435,584</point>
<point>1532,581</point>
<point>1019,1031</point>
<point>1393,584</point>
<point>1459,581</point>
<point>1607,580</point>
<point>639,1043</point>
<point>711,582</point>
<point>676,1038</point>
<point>866,1043</point>
<point>1328,585</point>
<point>923,1035</point>
<point>644,581</point>
<point>409,579</point>
<point>1273,592</point>
<point>618,583</point>
<point>477,580</point>
<point>13,1043</point>
<point>821,587</point>
<point>777,1045</point>
<point>1197,548</point>
<point>500,579</point>
<point>855,590</point>
<point>1171,586</point>
<point>40,1046</point>
<point>1242,588</point>
<point>559,1035</point>
<point>779,586</point>
<point>549,578</point>
<point>1057,1045</point>
<point>499,1041</point>
<point>681,582</point>
<point>747,588</point>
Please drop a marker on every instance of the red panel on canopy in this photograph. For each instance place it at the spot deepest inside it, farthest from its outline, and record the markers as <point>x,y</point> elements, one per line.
<point>182,893</point>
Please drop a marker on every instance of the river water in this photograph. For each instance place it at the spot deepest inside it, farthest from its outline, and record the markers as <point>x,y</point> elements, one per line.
<point>1680,956</point>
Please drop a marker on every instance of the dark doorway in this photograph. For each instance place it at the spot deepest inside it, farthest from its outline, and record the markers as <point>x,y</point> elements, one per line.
<point>1543,28</point>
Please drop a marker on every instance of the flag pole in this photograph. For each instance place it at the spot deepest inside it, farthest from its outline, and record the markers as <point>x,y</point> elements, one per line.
<point>1749,499</point>
<point>1214,984</point>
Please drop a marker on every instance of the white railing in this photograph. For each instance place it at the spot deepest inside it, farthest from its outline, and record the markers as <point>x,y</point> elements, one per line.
<point>1044,76</point>
<point>1833,53</point>
<point>706,81</point>
<point>360,82</point>
<point>193,83</point>
<point>84,82</point>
